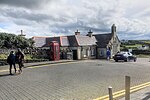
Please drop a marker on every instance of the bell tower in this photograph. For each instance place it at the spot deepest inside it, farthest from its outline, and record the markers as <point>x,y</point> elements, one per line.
<point>113,29</point>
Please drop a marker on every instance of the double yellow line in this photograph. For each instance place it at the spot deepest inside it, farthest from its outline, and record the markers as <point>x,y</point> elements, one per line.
<point>122,92</point>
<point>43,65</point>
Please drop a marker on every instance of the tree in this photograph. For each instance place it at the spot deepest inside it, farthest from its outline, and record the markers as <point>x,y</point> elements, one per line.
<point>8,41</point>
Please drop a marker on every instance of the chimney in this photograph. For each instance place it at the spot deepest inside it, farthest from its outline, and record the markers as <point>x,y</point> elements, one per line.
<point>77,33</point>
<point>90,33</point>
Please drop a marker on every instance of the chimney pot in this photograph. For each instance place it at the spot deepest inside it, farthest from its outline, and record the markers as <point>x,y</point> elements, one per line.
<point>77,32</point>
<point>90,33</point>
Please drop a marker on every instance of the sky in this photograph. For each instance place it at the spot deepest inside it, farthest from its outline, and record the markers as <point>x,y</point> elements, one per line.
<point>64,17</point>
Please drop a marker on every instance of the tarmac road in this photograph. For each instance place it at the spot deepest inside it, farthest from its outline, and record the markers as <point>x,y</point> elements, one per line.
<point>82,80</point>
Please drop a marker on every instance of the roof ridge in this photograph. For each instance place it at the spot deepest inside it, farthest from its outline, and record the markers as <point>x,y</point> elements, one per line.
<point>40,36</point>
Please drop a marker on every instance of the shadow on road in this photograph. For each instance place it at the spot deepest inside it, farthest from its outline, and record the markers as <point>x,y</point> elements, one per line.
<point>147,97</point>
<point>5,75</point>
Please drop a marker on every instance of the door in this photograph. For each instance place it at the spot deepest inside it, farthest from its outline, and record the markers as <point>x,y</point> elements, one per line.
<point>74,54</point>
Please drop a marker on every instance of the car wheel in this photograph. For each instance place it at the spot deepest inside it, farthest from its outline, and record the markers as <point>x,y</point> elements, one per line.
<point>134,60</point>
<point>116,60</point>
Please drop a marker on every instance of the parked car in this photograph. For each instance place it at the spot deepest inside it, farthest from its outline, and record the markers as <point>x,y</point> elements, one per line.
<point>125,56</point>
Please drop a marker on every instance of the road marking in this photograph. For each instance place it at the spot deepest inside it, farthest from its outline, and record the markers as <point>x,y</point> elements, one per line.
<point>39,66</point>
<point>50,64</point>
<point>122,92</point>
<point>3,71</point>
<point>7,70</point>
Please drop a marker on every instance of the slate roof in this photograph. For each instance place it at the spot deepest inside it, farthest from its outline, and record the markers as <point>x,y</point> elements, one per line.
<point>72,41</point>
<point>39,41</point>
<point>45,41</point>
<point>103,39</point>
<point>85,40</point>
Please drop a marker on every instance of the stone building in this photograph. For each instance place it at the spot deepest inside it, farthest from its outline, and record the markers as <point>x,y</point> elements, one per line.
<point>107,41</point>
<point>84,46</point>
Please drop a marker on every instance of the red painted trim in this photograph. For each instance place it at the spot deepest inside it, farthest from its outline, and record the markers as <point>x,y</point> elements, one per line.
<point>60,40</point>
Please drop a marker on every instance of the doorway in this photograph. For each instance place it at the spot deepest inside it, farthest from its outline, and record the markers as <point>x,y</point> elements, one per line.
<point>74,54</point>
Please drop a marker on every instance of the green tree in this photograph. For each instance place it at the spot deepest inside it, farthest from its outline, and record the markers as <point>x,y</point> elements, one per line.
<point>8,41</point>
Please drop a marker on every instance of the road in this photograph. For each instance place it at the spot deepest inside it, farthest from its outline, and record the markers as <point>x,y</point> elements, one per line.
<point>82,80</point>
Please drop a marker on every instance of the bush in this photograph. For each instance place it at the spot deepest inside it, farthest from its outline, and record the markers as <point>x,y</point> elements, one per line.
<point>27,57</point>
<point>3,56</point>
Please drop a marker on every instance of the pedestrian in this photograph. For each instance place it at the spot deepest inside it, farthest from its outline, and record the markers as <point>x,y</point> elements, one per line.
<point>11,61</point>
<point>20,59</point>
<point>108,54</point>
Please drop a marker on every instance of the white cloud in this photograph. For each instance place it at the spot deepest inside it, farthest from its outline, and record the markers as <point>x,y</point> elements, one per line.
<point>65,16</point>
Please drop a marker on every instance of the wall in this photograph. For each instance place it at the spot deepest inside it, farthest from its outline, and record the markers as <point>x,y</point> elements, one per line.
<point>101,53</point>
<point>79,52</point>
<point>114,45</point>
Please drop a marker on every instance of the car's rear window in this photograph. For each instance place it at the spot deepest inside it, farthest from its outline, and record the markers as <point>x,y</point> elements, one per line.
<point>119,54</point>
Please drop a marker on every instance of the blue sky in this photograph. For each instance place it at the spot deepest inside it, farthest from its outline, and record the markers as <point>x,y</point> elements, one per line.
<point>64,17</point>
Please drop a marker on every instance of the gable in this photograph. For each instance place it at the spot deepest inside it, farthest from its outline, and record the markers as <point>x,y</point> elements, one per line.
<point>64,41</point>
<point>103,39</point>
<point>115,40</point>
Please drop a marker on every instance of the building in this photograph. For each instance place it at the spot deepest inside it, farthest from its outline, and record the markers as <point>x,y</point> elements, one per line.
<point>143,47</point>
<point>107,41</point>
<point>83,46</point>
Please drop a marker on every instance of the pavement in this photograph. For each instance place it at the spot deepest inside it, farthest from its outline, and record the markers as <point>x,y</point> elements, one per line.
<point>143,94</point>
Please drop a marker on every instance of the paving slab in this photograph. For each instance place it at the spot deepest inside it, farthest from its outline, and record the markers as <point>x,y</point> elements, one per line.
<point>85,80</point>
<point>143,94</point>
<point>37,63</point>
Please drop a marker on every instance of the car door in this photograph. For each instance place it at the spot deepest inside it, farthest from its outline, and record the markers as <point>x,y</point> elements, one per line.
<point>130,56</point>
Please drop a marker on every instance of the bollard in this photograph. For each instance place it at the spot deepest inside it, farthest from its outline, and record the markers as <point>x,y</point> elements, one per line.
<point>110,93</point>
<point>127,87</point>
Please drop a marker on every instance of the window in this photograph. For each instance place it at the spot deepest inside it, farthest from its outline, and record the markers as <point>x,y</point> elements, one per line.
<point>92,51</point>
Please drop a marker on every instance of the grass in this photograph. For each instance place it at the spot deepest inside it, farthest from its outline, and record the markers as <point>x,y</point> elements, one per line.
<point>27,57</point>
<point>143,56</point>
<point>133,46</point>
<point>3,56</point>
<point>146,41</point>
